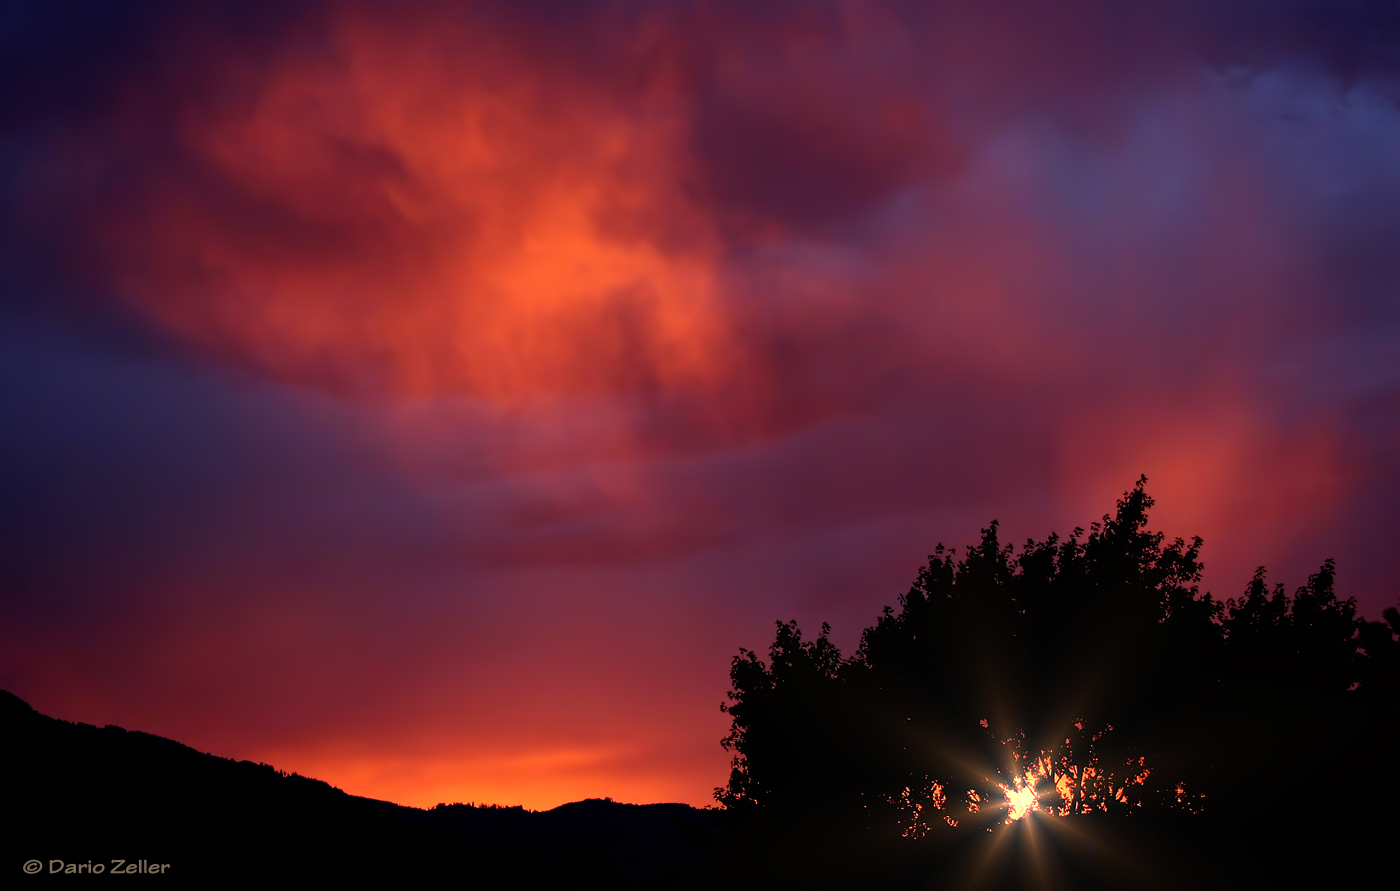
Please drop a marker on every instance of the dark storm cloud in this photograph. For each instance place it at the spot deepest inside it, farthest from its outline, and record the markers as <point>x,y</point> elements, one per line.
<point>1350,39</point>
<point>807,116</point>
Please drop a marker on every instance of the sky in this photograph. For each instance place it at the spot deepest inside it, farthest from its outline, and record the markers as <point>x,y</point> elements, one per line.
<point>432,398</point>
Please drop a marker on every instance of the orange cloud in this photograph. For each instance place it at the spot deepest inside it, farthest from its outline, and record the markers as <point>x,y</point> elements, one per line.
<point>429,209</point>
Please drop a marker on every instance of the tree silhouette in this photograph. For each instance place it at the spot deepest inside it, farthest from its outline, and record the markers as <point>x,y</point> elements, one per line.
<point>1086,678</point>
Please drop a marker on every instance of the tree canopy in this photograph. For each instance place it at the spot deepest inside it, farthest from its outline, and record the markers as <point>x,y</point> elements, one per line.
<point>1083,678</point>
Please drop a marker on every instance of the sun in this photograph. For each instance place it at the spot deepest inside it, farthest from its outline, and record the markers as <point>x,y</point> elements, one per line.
<point>1021,799</point>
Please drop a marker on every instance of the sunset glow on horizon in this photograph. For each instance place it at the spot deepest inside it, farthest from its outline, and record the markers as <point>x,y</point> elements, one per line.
<point>432,398</point>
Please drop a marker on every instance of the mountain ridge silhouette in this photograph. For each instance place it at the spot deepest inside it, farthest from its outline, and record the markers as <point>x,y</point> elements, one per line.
<point>84,794</point>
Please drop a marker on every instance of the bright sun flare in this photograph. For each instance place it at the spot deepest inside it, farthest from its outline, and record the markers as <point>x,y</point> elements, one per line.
<point>1020,801</point>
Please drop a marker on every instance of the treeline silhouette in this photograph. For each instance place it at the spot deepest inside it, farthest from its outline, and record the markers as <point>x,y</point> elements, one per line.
<point>1072,713</point>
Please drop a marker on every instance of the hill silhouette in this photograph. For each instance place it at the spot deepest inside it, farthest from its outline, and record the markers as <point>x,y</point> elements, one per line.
<point>1075,713</point>
<point>91,795</point>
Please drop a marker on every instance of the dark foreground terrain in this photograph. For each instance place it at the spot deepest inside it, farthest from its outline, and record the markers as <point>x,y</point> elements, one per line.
<point>89,796</point>
<point>94,795</point>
